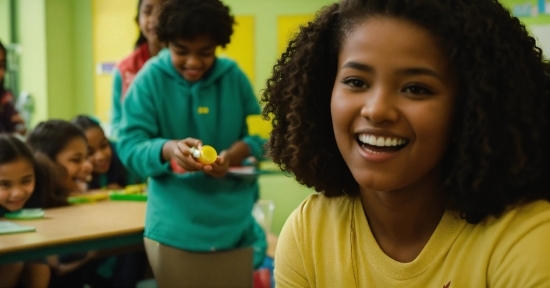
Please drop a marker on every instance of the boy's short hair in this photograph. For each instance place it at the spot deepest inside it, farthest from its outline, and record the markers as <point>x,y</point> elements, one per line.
<point>188,19</point>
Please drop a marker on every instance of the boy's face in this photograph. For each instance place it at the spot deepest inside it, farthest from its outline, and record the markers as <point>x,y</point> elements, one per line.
<point>193,58</point>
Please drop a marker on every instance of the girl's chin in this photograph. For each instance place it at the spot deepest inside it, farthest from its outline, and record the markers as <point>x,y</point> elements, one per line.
<point>77,186</point>
<point>15,207</point>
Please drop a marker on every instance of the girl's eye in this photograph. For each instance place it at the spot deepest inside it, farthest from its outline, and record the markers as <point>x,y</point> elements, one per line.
<point>147,11</point>
<point>417,89</point>
<point>355,83</point>
<point>4,184</point>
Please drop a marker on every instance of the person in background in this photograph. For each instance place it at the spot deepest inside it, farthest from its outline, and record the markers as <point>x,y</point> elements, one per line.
<point>108,172</point>
<point>65,145</point>
<point>22,185</point>
<point>182,98</point>
<point>425,126</point>
<point>10,119</point>
<point>147,46</point>
<point>65,149</point>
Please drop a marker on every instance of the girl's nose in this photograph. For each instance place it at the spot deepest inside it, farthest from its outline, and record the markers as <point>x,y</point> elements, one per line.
<point>87,167</point>
<point>17,192</point>
<point>379,106</point>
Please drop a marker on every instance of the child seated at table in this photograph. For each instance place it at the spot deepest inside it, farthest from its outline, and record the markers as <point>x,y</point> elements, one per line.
<point>22,185</point>
<point>68,153</point>
<point>63,147</point>
<point>108,172</point>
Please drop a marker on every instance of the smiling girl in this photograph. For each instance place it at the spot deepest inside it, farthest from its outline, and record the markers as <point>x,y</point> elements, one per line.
<point>108,172</point>
<point>22,185</point>
<point>425,127</point>
<point>66,146</point>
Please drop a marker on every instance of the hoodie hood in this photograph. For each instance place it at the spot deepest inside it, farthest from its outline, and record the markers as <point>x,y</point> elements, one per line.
<point>163,62</point>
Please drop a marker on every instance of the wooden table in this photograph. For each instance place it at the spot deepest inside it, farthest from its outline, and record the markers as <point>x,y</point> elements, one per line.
<point>77,228</point>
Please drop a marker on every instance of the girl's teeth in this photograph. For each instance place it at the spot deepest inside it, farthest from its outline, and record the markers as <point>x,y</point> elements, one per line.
<point>380,141</point>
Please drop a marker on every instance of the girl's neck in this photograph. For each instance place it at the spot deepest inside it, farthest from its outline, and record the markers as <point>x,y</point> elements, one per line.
<point>403,221</point>
<point>154,48</point>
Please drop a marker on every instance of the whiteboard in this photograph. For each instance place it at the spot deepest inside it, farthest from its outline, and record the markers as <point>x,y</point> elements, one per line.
<point>542,34</point>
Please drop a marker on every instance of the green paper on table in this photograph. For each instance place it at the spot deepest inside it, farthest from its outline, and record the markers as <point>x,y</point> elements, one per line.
<point>10,227</point>
<point>26,214</point>
<point>124,196</point>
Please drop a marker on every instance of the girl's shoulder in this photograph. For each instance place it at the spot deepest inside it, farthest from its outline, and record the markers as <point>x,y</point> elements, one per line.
<point>134,61</point>
<point>318,206</point>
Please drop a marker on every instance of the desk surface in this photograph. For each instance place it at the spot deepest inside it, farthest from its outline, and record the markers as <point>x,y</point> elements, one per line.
<point>104,224</point>
<point>79,228</point>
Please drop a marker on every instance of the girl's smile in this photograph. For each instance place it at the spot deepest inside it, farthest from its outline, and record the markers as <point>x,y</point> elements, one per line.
<point>392,105</point>
<point>99,150</point>
<point>74,159</point>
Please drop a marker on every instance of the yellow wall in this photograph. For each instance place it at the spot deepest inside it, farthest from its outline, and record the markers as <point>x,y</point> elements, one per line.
<point>287,27</point>
<point>114,34</point>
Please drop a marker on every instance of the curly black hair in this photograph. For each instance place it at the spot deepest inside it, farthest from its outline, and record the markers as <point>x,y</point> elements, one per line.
<point>500,155</point>
<point>188,19</point>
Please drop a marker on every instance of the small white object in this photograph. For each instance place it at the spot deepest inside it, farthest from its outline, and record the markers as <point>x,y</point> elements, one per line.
<point>195,152</point>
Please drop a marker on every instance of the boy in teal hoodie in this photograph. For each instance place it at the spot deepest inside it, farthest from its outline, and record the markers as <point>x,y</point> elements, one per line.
<point>182,98</point>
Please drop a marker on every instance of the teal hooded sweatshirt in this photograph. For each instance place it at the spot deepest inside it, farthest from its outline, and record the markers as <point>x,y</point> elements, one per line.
<point>192,211</point>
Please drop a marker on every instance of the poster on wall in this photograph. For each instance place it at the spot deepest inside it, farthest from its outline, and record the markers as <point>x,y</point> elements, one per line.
<point>531,8</point>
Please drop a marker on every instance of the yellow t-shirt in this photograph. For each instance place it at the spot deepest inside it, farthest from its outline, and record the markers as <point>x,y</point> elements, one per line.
<point>327,242</point>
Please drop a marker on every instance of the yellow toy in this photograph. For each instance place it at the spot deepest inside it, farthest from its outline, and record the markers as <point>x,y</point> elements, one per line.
<point>206,155</point>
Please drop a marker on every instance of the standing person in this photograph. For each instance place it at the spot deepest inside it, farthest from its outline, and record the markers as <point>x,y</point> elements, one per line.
<point>10,119</point>
<point>182,98</point>
<point>22,185</point>
<point>147,46</point>
<point>425,126</point>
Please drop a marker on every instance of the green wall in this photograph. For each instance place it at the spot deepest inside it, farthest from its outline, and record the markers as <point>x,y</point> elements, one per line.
<point>266,12</point>
<point>56,61</point>
<point>31,19</point>
<point>5,21</point>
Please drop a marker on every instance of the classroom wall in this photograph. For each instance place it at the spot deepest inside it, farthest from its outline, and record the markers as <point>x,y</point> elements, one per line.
<point>59,40</point>
<point>255,43</point>
<point>5,21</point>
<point>55,61</point>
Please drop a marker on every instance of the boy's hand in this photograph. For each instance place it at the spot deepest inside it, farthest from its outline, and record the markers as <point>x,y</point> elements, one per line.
<point>220,167</point>
<point>184,157</point>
